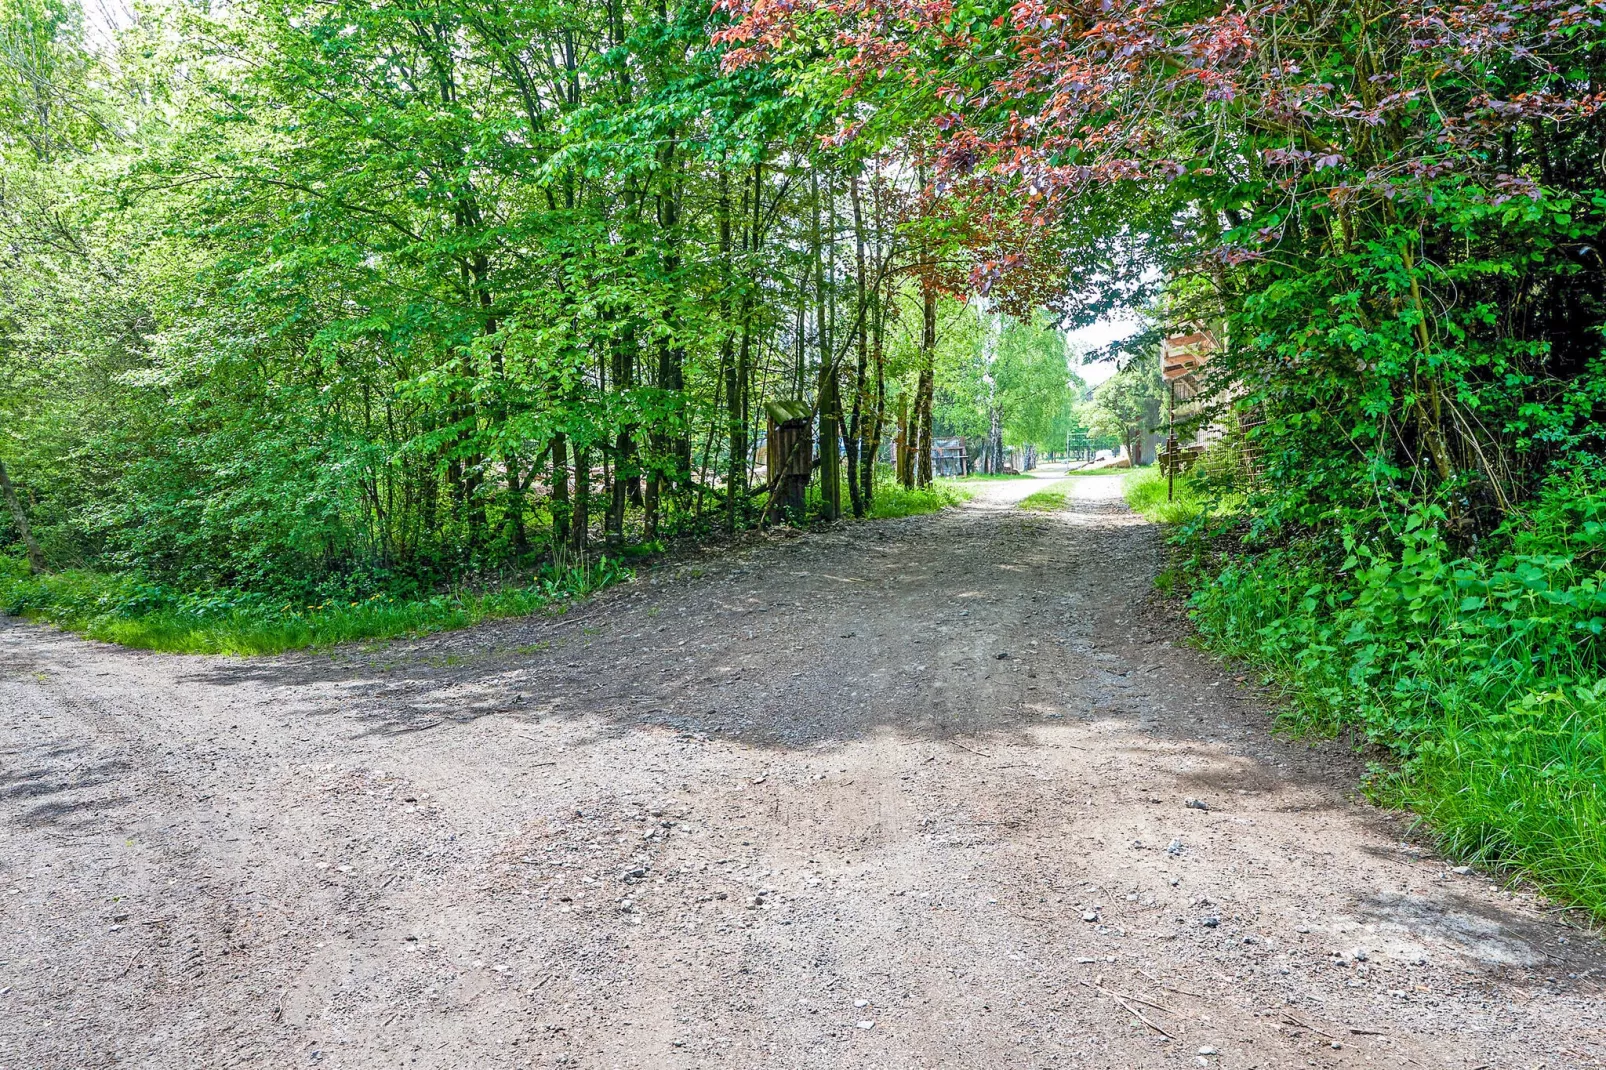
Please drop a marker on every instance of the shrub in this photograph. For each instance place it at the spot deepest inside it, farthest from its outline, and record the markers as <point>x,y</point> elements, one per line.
<point>1481,674</point>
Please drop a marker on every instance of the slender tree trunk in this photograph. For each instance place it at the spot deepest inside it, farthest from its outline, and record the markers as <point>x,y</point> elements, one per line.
<point>739,388</point>
<point>671,356</point>
<point>737,479</point>
<point>36,556</point>
<point>514,509</point>
<point>561,508</point>
<point>878,403</point>
<point>853,431</point>
<point>454,486</point>
<point>579,513</point>
<point>926,385</point>
<point>474,500</point>
<point>905,455</point>
<point>850,453</point>
<point>830,408</point>
<point>515,506</point>
<point>625,470</point>
<point>727,361</point>
<point>624,377</point>
<point>671,460</point>
<point>798,378</point>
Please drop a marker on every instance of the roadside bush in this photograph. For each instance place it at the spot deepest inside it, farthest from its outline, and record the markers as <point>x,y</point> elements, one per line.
<point>1481,674</point>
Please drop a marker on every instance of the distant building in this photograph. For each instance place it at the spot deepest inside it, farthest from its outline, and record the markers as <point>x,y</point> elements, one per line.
<point>950,457</point>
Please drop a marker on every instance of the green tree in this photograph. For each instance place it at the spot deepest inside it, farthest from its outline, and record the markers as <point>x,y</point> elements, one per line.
<point>1036,388</point>
<point>1128,405</point>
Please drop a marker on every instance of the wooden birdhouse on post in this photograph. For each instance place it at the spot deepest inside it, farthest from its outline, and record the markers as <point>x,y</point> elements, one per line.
<point>789,456</point>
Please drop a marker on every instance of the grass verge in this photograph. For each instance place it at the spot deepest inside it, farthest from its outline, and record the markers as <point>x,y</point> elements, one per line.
<point>1146,493</point>
<point>1051,499</point>
<point>893,499</point>
<point>135,613</point>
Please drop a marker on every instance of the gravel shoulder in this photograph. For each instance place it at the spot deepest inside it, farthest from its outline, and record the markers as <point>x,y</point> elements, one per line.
<point>900,794</point>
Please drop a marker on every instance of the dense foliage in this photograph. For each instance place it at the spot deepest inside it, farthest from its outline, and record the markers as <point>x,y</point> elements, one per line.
<point>1387,213</point>
<point>318,301</point>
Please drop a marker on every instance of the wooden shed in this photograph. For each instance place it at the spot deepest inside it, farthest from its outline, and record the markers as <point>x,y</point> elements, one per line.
<point>789,455</point>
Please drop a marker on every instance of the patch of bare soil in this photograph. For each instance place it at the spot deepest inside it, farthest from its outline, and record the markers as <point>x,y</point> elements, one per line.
<point>901,794</point>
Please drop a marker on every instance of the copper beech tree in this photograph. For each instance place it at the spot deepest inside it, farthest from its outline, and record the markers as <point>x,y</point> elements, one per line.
<point>1390,209</point>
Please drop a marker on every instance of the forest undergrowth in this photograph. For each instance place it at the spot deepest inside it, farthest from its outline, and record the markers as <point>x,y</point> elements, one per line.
<point>139,611</point>
<point>136,612</point>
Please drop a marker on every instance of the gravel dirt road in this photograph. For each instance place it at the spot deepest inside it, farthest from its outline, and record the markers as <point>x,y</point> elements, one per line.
<point>901,794</point>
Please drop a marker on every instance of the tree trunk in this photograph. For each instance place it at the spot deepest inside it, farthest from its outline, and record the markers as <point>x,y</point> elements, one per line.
<point>853,431</point>
<point>926,386</point>
<point>625,468</point>
<point>36,556</point>
<point>878,403</point>
<point>515,506</point>
<point>649,507</point>
<point>830,409</point>
<point>727,357</point>
<point>905,454</point>
<point>671,453</point>
<point>579,513</point>
<point>739,390</point>
<point>560,492</point>
<point>671,356</point>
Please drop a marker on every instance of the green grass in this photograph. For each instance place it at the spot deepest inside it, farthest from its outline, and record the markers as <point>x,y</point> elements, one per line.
<point>1050,499</point>
<point>127,611</point>
<point>132,612</point>
<point>1521,787</point>
<point>985,478</point>
<point>1145,490</point>
<point>893,499</point>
